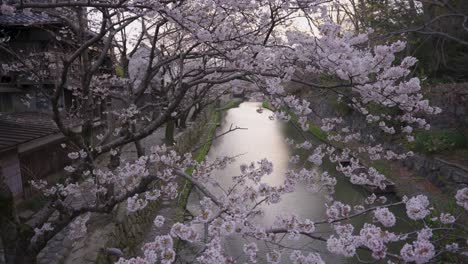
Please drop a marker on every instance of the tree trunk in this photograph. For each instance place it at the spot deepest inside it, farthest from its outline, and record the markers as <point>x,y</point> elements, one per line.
<point>114,160</point>
<point>183,120</point>
<point>429,14</point>
<point>169,135</point>
<point>139,148</point>
<point>14,238</point>
<point>196,112</point>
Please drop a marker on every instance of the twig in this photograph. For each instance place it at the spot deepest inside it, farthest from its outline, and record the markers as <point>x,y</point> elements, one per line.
<point>218,136</point>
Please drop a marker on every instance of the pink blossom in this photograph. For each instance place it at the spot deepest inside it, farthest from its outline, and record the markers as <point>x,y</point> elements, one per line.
<point>168,256</point>
<point>385,217</point>
<point>135,204</point>
<point>274,257</point>
<point>462,198</point>
<point>447,218</point>
<point>73,155</point>
<point>452,247</point>
<point>251,251</point>
<point>416,207</point>
<point>159,221</point>
<point>7,9</point>
<point>184,232</point>
<point>421,251</point>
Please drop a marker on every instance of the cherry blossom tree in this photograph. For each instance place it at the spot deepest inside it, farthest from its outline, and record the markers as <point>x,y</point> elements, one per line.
<point>173,56</point>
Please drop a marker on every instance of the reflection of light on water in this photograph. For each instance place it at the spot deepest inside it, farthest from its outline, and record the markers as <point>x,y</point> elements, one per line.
<point>265,138</point>
<point>262,139</point>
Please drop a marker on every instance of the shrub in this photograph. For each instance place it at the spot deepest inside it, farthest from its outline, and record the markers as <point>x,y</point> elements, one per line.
<point>438,141</point>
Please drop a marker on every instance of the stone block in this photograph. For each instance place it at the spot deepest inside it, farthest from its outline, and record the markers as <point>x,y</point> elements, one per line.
<point>459,176</point>
<point>446,172</point>
<point>25,215</point>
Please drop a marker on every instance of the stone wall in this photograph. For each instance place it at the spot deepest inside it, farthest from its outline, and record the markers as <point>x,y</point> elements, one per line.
<point>190,136</point>
<point>118,229</point>
<point>453,99</point>
<point>61,249</point>
<point>444,174</point>
<point>127,230</point>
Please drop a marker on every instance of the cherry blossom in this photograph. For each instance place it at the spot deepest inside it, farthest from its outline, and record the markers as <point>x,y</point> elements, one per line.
<point>421,251</point>
<point>446,218</point>
<point>462,198</point>
<point>416,207</point>
<point>385,217</point>
<point>274,257</point>
<point>189,54</point>
<point>159,221</point>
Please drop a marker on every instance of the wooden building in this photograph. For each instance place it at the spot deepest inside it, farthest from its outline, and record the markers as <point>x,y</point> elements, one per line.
<point>29,139</point>
<point>30,149</point>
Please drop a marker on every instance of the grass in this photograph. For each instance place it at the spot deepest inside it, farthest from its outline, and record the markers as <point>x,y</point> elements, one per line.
<point>465,153</point>
<point>430,142</point>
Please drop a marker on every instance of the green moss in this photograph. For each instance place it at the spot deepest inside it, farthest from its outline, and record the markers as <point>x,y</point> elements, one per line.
<point>267,105</point>
<point>381,167</point>
<point>465,153</point>
<point>34,203</point>
<point>203,150</point>
<point>231,104</point>
<point>119,71</point>
<point>200,154</point>
<point>341,107</point>
<point>25,231</point>
<point>316,131</point>
<point>313,128</point>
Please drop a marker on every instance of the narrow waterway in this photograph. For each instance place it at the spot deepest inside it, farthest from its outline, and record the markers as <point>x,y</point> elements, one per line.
<point>265,138</point>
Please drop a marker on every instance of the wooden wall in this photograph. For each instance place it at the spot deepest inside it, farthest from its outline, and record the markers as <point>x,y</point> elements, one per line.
<point>40,163</point>
<point>10,166</point>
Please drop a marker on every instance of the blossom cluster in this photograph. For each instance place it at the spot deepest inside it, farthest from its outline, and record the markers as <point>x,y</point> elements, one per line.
<point>417,207</point>
<point>421,250</point>
<point>204,46</point>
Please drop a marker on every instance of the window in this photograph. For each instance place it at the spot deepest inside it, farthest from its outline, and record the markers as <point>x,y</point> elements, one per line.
<point>6,102</point>
<point>6,79</point>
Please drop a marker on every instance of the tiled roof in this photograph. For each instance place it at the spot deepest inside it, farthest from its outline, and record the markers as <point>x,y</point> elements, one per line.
<point>30,19</point>
<point>18,128</point>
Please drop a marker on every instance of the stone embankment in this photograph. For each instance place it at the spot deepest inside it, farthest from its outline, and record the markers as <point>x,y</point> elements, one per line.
<point>421,173</point>
<point>120,229</point>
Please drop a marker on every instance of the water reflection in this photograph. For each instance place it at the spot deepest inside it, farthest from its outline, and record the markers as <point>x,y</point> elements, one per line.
<point>264,138</point>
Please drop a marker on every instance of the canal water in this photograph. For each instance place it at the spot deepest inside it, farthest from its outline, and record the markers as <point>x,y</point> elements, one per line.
<point>265,138</point>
